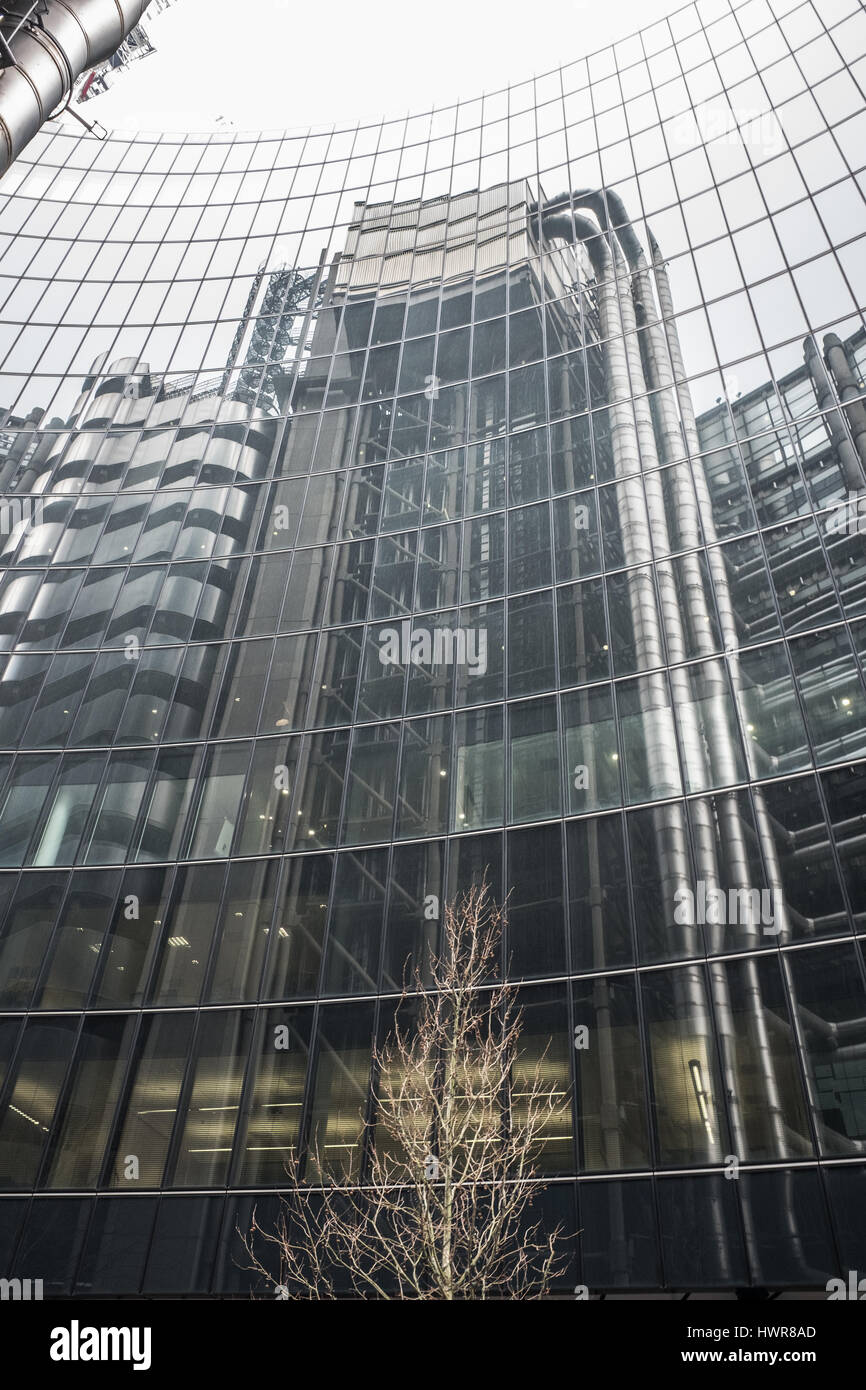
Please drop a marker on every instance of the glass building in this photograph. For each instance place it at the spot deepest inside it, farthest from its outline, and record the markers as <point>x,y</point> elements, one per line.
<point>473,493</point>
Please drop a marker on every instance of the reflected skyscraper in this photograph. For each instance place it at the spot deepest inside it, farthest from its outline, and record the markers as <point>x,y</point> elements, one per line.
<point>475,495</point>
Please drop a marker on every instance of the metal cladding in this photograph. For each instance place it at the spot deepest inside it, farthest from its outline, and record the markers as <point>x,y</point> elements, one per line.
<point>51,45</point>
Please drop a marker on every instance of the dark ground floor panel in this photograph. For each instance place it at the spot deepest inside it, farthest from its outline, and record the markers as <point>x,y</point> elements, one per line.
<point>772,1230</point>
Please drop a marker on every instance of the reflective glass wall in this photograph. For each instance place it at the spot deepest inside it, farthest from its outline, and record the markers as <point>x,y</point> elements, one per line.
<point>477,494</point>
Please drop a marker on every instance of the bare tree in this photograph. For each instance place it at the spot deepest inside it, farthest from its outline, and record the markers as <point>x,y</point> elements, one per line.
<point>445,1210</point>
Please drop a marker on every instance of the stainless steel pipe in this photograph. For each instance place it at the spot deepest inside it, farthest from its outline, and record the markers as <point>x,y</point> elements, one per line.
<point>50,51</point>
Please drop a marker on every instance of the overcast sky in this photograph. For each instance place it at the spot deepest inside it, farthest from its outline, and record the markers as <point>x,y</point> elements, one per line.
<point>283,64</point>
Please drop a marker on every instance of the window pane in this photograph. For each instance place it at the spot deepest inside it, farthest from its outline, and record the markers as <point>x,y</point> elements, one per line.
<point>26,1122</point>
<point>299,927</point>
<point>535,936</point>
<point>20,684</point>
<point>287,689</point>
<point>242,675</point>
<point>357,918</point>
<point>422,807</point>
<point>70,805</point>
<point>214,819</point>
<point>243,931</point>
<point>598,906</point>
<point>97,1076</point>
<point>535,760</point>
<point>58,702</point>
<point>133,937</point>
<point>766,1099</point>
<point>265,812</point>
<point>150,697</point>
<point>334,685</point>
<point>531,660</point>
<point>584,646</point>
<point>26,933</point>
<point>712,753</point>
<point>833,694</point>
<point>369,809</point>
<point>116,808</point>
<point>22,799</point>
<point>649,744</point>
<point>479,771</point>
<point>160,833</point>
<point>272,1130</point>
<point>217,1070</point>
<point>612,1116</point>
<point>81,928</point>
<point>158,1070</point>
<point>342,1078</point>
<point>591,750</point>
<point>545,1044</point>
<point>691,1125</point>
<point>187,931</point>
<point>416,890</point>
<point>774,733</point>
<point>830,1003</point>
<point>529,550</point>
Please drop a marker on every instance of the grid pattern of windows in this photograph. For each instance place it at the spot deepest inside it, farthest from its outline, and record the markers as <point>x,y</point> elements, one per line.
<point>480,493</point>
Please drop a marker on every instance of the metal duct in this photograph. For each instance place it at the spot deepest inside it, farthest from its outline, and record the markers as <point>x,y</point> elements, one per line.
<point>849,392</point>
<point>45,48</point>
<point>612,244</point>
<point>848,460</point>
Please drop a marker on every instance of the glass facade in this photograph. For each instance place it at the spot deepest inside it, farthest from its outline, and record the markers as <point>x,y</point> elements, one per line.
<point>475,493</point>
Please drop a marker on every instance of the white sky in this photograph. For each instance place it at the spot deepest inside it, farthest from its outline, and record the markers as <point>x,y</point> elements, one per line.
<point>284,64</point>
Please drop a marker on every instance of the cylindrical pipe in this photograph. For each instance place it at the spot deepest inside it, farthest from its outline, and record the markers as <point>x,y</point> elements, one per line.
<point>553,219</point>
<point>49,56</point>
<point>852,468</point>
<point>849,392</point>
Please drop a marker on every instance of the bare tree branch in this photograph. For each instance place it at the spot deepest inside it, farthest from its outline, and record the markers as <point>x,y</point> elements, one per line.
<point>460,1124</point>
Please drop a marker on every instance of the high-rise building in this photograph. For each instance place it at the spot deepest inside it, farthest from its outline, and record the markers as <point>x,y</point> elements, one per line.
<point>474,494</point>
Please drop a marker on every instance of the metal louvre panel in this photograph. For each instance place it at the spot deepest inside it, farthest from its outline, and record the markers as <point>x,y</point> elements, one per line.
<point>428,266</point>
<point>365,272</point>
<point>460,260</point>
<point>370,244</point>
<point>407,216</point>
<point>464,205</point>
<point>434,212</point>
<point>492,253</point>
<point>431,236</point>
<point>493,200</point>
<point>397,270</point>
<point>400,239</point>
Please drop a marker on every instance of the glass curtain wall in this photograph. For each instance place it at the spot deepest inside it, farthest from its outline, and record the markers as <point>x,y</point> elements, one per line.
<point>475,494</point>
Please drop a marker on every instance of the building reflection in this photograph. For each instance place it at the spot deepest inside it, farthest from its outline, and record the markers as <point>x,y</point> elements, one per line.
<point>478,416</point>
